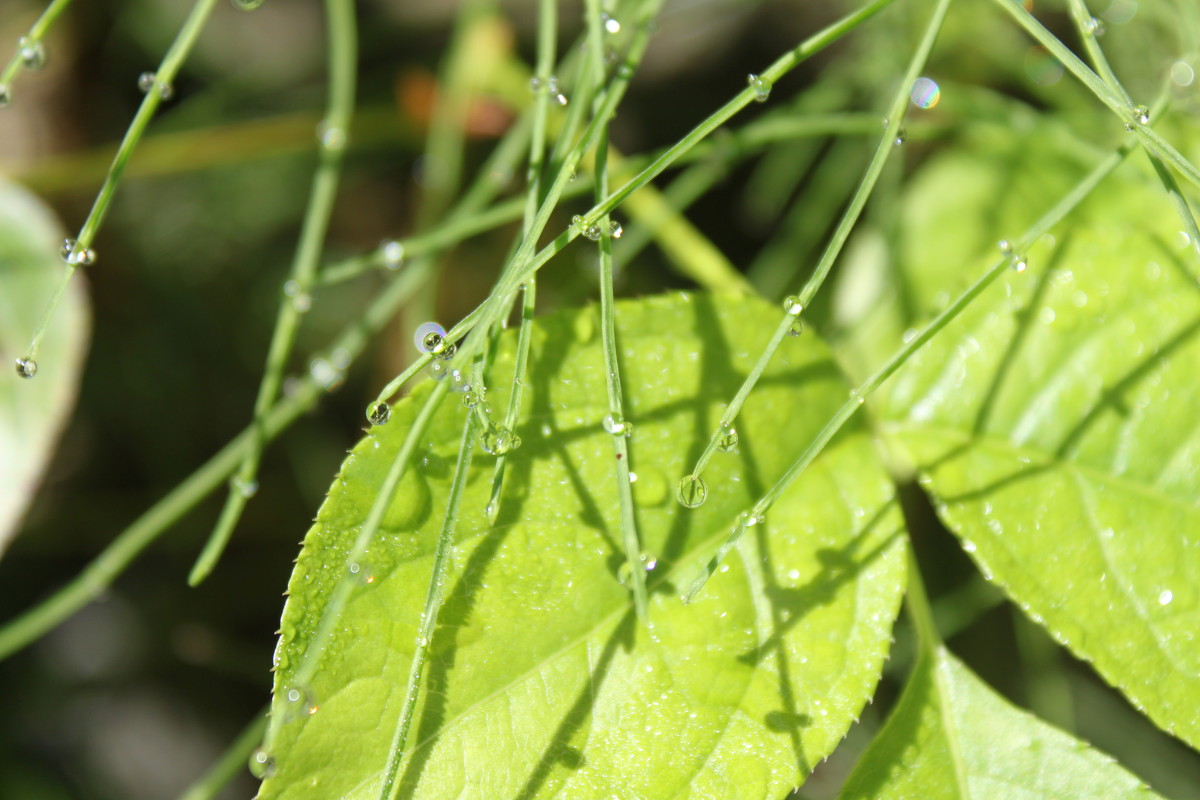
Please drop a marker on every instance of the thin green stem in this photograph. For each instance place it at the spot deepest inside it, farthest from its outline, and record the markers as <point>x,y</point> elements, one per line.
<point>98,575</point>
<point>794,306</point>
<point>333,134</point>
<point>1133,117</point>
<point>34,38</point>
<point>859,395</point>
<point>1086,25</point>
<point>547,46</point>
<point>231,762</point>
<point>615,423</point>
<point>434,597</point>
<point>81,252</point>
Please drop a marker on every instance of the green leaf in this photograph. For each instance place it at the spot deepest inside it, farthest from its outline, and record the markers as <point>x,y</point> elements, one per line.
<point>541,680</point>
<point>952,738</point>
<point>1055,425</point>
<point>32,412</point>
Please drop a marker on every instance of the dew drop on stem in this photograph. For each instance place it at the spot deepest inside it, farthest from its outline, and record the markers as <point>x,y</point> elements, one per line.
<point>611,25</point>
<point>378,413</point>
<point>762,89</point>
<point>32,53</point>
<point>692,491</point>
<point>392,253</point>
<point>262,764</point>
<point>728,440</point>
<point>429,337</point>
<point>26,367</point>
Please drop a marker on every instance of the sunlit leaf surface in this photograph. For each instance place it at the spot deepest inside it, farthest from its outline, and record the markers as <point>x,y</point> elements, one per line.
<point>542,682</point>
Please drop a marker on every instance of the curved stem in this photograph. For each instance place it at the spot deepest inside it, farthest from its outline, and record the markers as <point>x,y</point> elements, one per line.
<point>334,131</point>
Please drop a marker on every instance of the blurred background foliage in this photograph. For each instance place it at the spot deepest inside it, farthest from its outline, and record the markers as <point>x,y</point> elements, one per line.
<point>134,696</point>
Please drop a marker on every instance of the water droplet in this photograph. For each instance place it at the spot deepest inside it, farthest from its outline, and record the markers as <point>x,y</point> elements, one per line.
<point>610,24</point>
<point>728,441</point>
<point>796,328</point>
<point>969,546</point>
<point>302,302</point>
<point>1020,264</point>
<point>499,440</point>
<point>429,337</point>
<point>26,367</point>
<point>332,138</point>
<point>552,90</point>
<point>792,306</point>
<point>71,253</point>
<point>246,489</point>
<point>379,412</point>
<point>748,519</point>
<point>32,53</point>
<point>262,764</point>
<point>393,253</point>
<point>762,89</point>
<point>1182,73</point>
<point>458,381</point>
<point>1094,27</point>
<point>901,137</point>
<point>925,93</point>
<point>5,95</point>
<point>471,398</point>
<point>492,511</point>
<point>148,82</point>
<point>613,424</point>
<point>614,229</point>
<point>591,232</point>
<point>1165,597</point>
<point>1005,246</point>
<point>692,491</point>
<point>1141,115</point>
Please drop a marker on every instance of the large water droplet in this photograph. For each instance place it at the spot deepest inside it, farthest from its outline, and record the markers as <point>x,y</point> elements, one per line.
<point>499,440</point>
<point>429,337</point>
<point>614,424</point>
<point>26,367</point>
<point>379,412</point>
<point>692,491</point>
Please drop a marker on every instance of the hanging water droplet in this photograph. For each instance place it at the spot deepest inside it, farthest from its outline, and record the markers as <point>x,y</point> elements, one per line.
<point>614,229</point>
<point>32,53</point>
<point>470,398</point>
<point>925,93</point>
<point>1141,115</point>
<point>901,137</point>
<point>332,138</point>
<point>748,519</point>
<point>246,489</point>
<point>762,89</point>
<point>535,84</point>
<point>796,328</point>
<point>692,491</point>
<point>429,337</point>
<point>728,441</point>
<point>379,412</point>
<point>393,253</point>
<point>72,254</point>
<point>499,440</point>
<point>262,764</point>
<point>610,24</point>
<point>438,370</point>
<point>146,82</point>
<point>5,95</point>
<point>791,305</point>
<point>1020,264</point>
<point>1094,27</point>
<point>613,424</point>
<point>26,367</point>
<point>1005,247</point>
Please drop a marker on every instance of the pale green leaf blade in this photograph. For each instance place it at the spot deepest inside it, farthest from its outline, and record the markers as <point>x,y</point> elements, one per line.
<point>542,682</point>
<point>1055,424</point>
<point>33,411</point>
<point>952,738</point>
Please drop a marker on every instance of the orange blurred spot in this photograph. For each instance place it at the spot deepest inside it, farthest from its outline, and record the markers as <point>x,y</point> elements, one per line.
<point>417,92</point>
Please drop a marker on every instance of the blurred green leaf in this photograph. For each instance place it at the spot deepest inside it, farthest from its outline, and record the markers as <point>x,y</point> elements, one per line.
<point>541,680</point>
<point>952,738</point>
<point>33,411</point>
